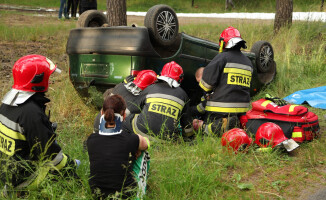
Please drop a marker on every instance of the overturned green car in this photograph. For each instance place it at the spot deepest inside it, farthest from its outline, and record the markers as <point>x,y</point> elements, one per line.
<point>104,56</point>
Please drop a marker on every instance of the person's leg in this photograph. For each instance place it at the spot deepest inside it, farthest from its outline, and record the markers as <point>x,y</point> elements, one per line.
<point>65,9</point>
<point>141,168</point>
<point>69,6</point>
<point>76,6</point>
<point>218,124</point>
<point>62,6</point>
<point>73,8</point>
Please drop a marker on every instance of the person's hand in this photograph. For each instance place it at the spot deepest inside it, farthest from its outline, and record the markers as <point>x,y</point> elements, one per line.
<point>138,153</point>
<point>197,124</point>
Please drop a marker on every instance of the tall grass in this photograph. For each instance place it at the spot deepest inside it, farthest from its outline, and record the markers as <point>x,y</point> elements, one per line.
<point>203,169</point>
<point>200,6</point>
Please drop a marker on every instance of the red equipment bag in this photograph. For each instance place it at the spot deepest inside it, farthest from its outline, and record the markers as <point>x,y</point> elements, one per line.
<point>296,121</point>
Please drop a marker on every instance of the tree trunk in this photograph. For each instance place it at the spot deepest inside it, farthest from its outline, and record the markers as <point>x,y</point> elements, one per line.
<point>192,3</point>
<point>116,12</point>
<point>322,6</point>
<point>283,16</point>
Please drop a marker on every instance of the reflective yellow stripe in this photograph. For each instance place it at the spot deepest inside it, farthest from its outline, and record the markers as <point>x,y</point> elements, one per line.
<point>200,109</point>
<point>134,125</point>
<point>296,134</point>
<point>62,163</point>
<point>239,66</point>
<point>10,133</point>
<point>226,110</point>
<point>238,71</point>
<point>291,109</point>
<point>205,88</point>
<point>210,128</point>
<point>265,103</point>
<point>167,101</point>
<point>148,144</point>
<point>41,174</point>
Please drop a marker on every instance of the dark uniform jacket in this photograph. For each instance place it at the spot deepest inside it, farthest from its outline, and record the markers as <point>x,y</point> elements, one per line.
<point>131,100</point>
<point>228,75</point>
<point>26,134</point>
<point>162,111</point>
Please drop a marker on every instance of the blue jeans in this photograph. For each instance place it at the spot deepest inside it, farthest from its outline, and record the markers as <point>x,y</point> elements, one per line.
<point>63,7</point>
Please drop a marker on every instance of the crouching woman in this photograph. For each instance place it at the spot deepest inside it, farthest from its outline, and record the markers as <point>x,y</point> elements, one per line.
<point>118,162</point>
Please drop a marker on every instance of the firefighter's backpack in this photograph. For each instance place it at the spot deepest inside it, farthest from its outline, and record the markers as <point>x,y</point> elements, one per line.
<point>295,120</point>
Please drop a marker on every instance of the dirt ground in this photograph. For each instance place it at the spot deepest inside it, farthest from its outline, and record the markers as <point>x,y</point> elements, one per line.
<point>11,51</point>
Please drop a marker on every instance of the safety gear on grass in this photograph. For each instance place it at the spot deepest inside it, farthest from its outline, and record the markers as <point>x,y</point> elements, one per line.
<point>229,38</point>
<point>173,70</point>
<point>145,78</point>
<point>278,101</point>
<point>31,73</point>
<point>236,139</point>
<point>271,135</point>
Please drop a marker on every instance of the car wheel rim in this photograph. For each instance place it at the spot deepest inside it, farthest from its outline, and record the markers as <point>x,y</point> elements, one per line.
<point>266,57</point>
<point>166,25</point>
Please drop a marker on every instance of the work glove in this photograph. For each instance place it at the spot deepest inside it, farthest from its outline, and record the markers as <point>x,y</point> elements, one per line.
<point>278,101</point>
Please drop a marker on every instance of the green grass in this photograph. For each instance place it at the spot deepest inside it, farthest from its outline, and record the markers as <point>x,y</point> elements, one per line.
<point>200,6</point>
<point>202,170</point>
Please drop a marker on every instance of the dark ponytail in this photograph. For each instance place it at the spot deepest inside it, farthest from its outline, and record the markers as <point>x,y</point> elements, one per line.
<point>113,104</point>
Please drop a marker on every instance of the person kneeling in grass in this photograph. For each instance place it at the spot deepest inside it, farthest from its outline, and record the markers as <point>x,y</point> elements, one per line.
<point>118,162</point>
<point>28,146</point>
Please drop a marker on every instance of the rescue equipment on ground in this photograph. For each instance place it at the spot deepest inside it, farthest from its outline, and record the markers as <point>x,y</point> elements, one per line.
<point>295,121</point>
<point>236,140</point>
<point>315,97</point>
<point>271,135</point>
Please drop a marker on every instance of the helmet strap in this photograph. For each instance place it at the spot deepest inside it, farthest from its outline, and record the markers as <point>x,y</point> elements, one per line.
<point>133,88</point>
<point>221,46</point>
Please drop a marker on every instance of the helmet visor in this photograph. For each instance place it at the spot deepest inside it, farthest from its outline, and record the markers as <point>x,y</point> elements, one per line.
<point>233,41</point>
<point>53,67</point>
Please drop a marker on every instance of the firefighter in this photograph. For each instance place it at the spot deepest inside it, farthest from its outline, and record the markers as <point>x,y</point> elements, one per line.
<point>164,107</point>
<point>131,91</point>
<point>28,146</point>
<point>228,76</point>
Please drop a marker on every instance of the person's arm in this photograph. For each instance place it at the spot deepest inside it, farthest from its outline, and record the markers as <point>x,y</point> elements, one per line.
<point>144,143</point>
<point>186,120</point>
<point>42,139</point>
<point>212,73</point>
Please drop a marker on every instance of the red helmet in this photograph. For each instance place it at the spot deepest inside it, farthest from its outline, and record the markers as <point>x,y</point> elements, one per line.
<point>145,78</point>
<point>230,37</point>
<point>173,70</point>
<point>236,139</point>
<point>269,134</point>
<point>31,73</point>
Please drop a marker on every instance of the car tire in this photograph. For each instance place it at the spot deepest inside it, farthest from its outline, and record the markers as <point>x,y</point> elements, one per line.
<point>264,56</point>
<point>163,32</point>
<point>92,18</point>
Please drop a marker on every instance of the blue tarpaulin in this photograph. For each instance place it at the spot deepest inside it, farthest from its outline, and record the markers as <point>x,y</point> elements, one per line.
<point>315,97</point>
